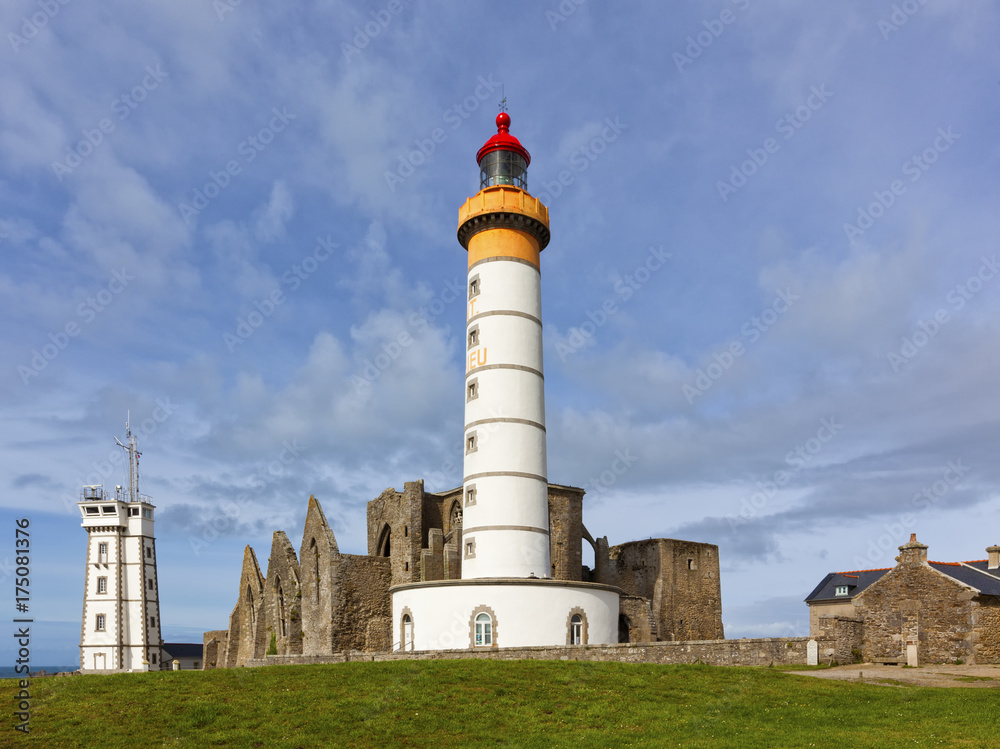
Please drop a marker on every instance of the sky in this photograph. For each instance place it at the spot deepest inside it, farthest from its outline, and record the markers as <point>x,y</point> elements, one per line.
<point>770,300</point>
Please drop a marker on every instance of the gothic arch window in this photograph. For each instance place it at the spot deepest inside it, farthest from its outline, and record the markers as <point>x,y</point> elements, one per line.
<point>455,516</point>
<point>281,607</point>
<point>253,610</point>
<point>314,553</point>
<point>383,541</point>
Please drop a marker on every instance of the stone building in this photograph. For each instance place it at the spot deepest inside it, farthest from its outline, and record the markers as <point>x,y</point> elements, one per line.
<point>321,601</point>
<point>917,611</point>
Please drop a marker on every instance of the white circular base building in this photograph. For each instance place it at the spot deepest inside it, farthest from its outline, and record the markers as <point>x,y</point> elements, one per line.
<point>502,612</point>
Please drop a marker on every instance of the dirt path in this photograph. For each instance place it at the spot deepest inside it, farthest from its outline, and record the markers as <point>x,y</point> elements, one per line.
<point>931,675</point>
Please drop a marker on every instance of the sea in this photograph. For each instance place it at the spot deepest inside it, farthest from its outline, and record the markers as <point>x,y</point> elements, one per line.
<point>8,672</point>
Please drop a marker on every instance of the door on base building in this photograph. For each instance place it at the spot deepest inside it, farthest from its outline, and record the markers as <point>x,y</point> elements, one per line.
<point>99,661</point>
<point>407,633</point>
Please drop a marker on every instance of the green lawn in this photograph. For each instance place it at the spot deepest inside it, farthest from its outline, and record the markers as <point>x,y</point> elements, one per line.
<point>495,703</point>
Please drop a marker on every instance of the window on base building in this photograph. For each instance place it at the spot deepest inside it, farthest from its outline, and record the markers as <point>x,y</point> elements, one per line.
<point>102,585</point>
<point>484,630</point>
<point>149,552</point>
<point>101,621</point>
<point>841,590</point>
<point>576,630</point>
<point>102,553</point>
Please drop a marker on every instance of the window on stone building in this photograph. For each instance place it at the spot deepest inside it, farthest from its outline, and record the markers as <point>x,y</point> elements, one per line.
<point>470,495</point>
<point>484,630</point>
<point>281,607</point>
<point>841,590</point>
<point>692,565</point>
<point>624,628</point>
<point>472,390</point>
<point>149,552</point>
<point>152,659</point>
<point>102,553</point>
<point>315,555</point>
<point>150,581</point>
<point>102,585</point>
<point>384,541</point>
<point>152,621</point>
<point>101,621</point>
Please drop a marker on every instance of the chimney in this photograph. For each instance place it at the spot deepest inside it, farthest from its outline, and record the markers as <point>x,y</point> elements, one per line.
<point>912,552</point>
<point>994,552</point>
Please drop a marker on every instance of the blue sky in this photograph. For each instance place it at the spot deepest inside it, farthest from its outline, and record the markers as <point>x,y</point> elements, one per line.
<point>772,284</point>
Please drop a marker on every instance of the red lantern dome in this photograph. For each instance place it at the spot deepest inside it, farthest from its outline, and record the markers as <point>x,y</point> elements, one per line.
<point>503,141</point>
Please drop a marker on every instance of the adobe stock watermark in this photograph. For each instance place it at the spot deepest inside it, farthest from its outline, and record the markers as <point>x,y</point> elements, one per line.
<point>264,308</point>
<point>914,168</point>
<point>223,8</point>
<point>797,459</point>
<point>86,312</point>
<point>455,116</point>
<point>580,335</point>
<point>701,41</point>
<point>787,126</point>
<point>580,160</point>
<point>416,322</point>
<point>620,465</point>
<point>122,105</point>
<point>957,297</point>
<point>925,498</point>
<point>753,330</point>
<point>102,470</point>
<point>31,26</point>
<point>363,35</point>
<point>229,511</point>
<point>249,148</point>
<point>562,12</point>
<point>901,13</point>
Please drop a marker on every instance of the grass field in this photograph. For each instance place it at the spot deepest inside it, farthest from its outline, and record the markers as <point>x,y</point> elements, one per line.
<point>482,703</point>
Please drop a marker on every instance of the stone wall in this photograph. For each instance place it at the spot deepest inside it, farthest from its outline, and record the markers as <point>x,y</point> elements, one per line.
<point>758,652</point>
<point>841,639</point>
<point>987,629</point>
<point>680,578</point>
<point>362,612</point>
<point>915,602</point>
<point>214,648</point>
<point>319,560</point>
<point>566,532</point>
<point>245,640</point>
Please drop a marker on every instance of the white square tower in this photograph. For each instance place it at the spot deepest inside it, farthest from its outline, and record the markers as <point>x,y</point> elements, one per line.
<point>121,611</point>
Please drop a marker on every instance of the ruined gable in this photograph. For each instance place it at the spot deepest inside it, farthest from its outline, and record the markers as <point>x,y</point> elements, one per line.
<point>319,568</point>
<point>282,598</point>
<point>243,640</point>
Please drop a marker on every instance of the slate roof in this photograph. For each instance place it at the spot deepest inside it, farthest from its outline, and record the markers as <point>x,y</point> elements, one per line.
<point>183,649</point>
<point>987,582</point>
<point>855,580</point>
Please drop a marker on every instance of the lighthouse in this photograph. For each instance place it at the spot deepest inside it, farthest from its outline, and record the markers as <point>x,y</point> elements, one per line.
<point>505,597</point>
<point>504,230</point>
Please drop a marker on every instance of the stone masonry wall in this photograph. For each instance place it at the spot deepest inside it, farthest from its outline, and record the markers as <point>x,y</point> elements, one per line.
<point>362,614</point>
<point>758,652</point>
<point>566,532</point>
<point>988,630</point>
<point>841,639</point>
<point>915,601</point>
<point>214,648</point>
<point>283,597</point>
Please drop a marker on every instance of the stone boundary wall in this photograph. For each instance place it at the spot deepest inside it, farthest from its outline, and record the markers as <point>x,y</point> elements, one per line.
<point>779,651</point>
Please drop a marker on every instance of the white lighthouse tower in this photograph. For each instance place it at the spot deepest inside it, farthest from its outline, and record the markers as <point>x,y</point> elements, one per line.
<point>505,597</point>
<point>121,611</point>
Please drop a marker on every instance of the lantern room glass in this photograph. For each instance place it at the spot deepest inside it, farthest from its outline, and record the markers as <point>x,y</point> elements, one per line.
<point>503,168</point>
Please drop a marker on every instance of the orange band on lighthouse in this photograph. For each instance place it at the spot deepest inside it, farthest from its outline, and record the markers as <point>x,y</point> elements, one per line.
<point>503,243</point>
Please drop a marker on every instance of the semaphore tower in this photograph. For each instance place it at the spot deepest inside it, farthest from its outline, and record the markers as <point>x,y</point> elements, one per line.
<point>505,597</point>
<point>121,610</point>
